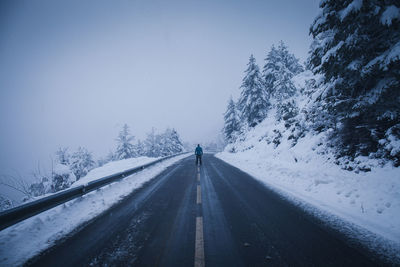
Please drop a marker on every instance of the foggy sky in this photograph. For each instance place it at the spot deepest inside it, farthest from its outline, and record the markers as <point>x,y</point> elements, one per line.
<point>72,72</point>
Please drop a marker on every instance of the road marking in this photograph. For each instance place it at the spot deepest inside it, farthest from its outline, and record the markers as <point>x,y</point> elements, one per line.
<point>199,245</point>
<point>198,201</point>
<point>199,239</point>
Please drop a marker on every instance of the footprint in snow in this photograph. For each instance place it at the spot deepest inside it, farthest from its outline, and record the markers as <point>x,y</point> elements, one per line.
<point>380,210</point>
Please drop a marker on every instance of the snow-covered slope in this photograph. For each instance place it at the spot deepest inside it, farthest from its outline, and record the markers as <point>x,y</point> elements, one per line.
<point>22,241</point>
<point>306,172</point>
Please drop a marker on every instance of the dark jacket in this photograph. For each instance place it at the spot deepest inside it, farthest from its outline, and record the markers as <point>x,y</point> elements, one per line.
<point>198,151</point>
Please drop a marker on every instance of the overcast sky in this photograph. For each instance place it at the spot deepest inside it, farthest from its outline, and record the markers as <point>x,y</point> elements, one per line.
<point>72,72</point>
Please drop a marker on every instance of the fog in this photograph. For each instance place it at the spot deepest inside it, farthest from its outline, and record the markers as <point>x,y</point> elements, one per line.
<point>72,72</point>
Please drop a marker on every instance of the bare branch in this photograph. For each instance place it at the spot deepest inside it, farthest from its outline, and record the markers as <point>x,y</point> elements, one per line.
<point>15,188</point>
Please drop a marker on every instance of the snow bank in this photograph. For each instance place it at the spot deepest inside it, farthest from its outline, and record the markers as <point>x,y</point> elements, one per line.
<point>29,237</point>
<point>113,167</point>
<point>306,172</point>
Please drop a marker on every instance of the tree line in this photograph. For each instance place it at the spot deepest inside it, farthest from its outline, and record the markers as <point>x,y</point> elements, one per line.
<point>69,167</point>
<point>261,91</point>
<point>352,95</point>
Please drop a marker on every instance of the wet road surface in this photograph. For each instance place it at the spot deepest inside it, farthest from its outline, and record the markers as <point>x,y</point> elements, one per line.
<point>213,215</point>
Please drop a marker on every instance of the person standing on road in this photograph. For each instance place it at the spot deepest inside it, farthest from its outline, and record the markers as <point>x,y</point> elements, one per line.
<point>198,152</point>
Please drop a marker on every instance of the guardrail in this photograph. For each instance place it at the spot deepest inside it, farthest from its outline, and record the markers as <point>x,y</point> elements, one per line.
<point>15,215</point>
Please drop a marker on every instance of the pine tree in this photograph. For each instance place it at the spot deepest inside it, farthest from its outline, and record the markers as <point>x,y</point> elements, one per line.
<point>163,144</point>
<point>125,149</point>
<point>175,143</point>
<point>140,148</point>
<point>280,67</point>
<point>152,145</point>
<point>81,162</point>
<point>357,48</point>
<point>253,102</point>
<point>232,122</point>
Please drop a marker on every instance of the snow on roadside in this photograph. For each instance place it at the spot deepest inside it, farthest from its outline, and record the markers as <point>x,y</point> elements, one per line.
<point>113,167</point>
<point>26,239</point>
<point>370,200</point>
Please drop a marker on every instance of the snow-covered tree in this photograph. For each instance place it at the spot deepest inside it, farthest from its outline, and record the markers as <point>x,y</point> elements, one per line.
<point>140,148</point>
<point>81,162</point>
<point>125,148</point>
<point>152,144</point>
<point>62,177</point>
<point>253,102</point>
<point>174,144</point>
<point>170,142</point>
<point>164,144</point>
<point>357,49</point>
<point>63,156</point>
<point>280,67</point>
<point>43,185</point>
<point>232,122</point>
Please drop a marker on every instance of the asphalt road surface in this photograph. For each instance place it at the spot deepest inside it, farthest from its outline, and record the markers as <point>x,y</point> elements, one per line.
<point>213,215</point>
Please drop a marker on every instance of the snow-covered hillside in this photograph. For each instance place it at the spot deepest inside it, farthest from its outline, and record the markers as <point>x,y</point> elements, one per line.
<point>22,241</point>
<point>286,153</point>
<point>370,199</point>
<point>328,133</point>
<point>294,160</point>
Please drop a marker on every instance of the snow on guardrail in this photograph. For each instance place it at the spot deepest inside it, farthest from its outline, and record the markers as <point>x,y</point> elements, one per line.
<point>27,210</point>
